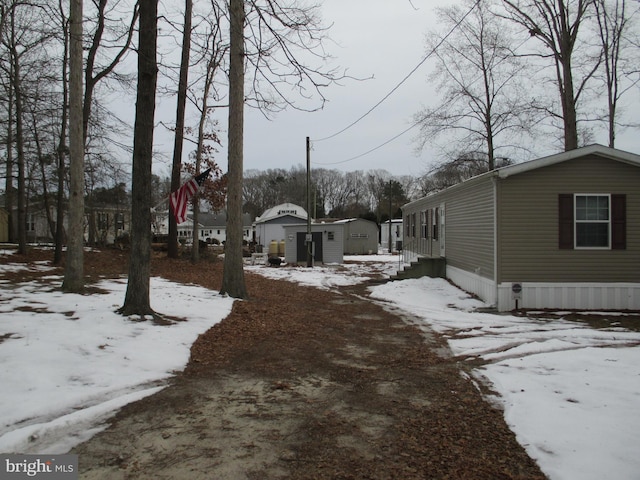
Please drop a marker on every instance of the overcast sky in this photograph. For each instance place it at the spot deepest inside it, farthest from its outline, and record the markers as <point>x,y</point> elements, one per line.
<point>374,38</point>
<point>383,39</point>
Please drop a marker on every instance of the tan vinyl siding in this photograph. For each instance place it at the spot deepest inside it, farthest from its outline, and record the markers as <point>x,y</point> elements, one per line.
<point>528,223</point>
<point>469,232</point>
<point>469,228</point>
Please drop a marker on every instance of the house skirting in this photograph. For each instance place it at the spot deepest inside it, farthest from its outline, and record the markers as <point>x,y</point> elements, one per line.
<point>539,295</point>
<point>571,296</point>
<point>474,283</point>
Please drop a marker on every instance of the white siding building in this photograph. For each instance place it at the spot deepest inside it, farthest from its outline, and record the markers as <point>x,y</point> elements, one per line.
<point>269,227</point>
<point>328,243</point>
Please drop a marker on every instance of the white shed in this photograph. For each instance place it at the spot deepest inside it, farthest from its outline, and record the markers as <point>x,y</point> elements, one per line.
<point>360,236</point>
<point>328,243</point>
<point>396,234</point>
<point>269,226</point>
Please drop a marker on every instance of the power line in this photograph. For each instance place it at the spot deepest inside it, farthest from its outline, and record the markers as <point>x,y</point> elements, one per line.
<point>373,149</point>
<point>433,50</point>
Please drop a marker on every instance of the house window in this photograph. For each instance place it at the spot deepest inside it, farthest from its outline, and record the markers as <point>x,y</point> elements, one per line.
<point>592,221</point>
<point>120,221</point>
<point>31,222</point>
<point>103,221</point>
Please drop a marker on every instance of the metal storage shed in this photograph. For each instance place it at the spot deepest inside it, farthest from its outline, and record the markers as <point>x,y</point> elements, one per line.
<point>360,236</point>
<point>269,226</point>
<point>327,238</point>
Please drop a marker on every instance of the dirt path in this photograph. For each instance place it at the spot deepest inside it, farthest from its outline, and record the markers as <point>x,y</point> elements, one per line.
<point>303,383</point>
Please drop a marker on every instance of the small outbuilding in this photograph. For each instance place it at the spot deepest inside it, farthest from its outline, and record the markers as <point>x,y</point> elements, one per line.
<point>360,236</point>
<point>327,246</point>
<point>395,228</point>
<point>269,227</point>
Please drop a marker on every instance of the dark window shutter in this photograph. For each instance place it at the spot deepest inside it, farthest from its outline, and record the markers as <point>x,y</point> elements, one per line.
<point>565,221</point>
<point>618,222</point>
<point>436,223</point>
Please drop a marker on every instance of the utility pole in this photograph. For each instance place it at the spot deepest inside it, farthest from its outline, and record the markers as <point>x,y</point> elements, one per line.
<point>390,207</point>
<point>309,238</point>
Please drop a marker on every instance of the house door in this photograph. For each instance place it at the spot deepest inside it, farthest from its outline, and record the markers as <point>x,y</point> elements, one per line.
<point>301,246</point>
<point>442,231</point>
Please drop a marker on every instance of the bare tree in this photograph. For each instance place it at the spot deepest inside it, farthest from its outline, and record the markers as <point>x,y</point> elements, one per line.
<point>172,241</point>
<point>22,35</point>
<point>62,148</point>
<point>7,84</point>
<point>557,24</point>
<point>480,80</point>
<point>95,73</point>
<point>137,296</point>
<point>613,23</point>
<point>74,267</point>
<point>378,188</point>
<point>233,282</point>
<point>456,171</point>
<point>213,51</point>
<point>278,38</point>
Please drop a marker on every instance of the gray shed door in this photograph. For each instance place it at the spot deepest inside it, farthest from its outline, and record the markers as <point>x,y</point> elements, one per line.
<point>301,246</point>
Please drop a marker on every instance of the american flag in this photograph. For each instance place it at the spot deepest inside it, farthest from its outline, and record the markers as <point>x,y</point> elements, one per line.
<point>180,198</point>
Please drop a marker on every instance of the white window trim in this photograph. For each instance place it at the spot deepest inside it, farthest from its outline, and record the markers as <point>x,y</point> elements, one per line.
<point>576,221</point>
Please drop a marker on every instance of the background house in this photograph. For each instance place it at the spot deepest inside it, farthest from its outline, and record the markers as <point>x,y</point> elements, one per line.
<point>212,227</point>
<point>558,232</point>
<point>106,223</point>
<point>4,225</point>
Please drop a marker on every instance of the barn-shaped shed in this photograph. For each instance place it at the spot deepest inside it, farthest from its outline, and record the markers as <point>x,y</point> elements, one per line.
<point>269,227</point>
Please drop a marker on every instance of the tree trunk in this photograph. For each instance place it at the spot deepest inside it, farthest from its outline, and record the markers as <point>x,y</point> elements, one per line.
<point>10,192</point>
<point>172,247</point>
<point>137,296</point>
<point>557,27</point>
<point>43,174</point>
<point>74,268</point>
<point>20,154</point>
<point>233,282</point>
<point>195,231</point>
<point>61,152</point>
<point>569,106</point>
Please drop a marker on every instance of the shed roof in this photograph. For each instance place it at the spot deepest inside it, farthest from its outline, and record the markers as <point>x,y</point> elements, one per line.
<point>351,220</point>
<point>282,210</point>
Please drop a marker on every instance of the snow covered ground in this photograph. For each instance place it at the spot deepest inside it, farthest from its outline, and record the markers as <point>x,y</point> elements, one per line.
<point>68,362</point>
<point>570,392</point>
